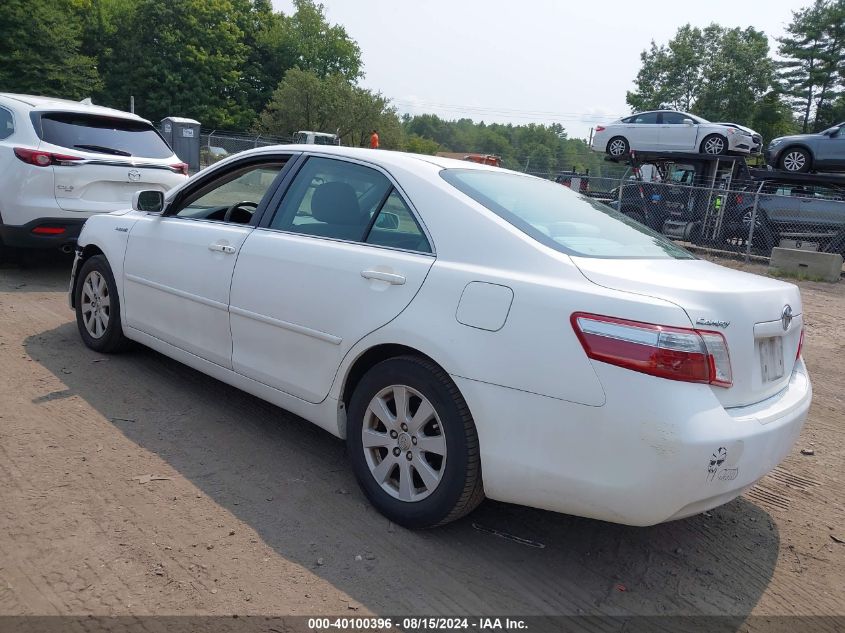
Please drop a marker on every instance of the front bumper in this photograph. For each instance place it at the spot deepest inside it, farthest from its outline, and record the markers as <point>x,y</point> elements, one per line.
<point>772,155</point>
<point>58,232</point>
<point>656,451</point>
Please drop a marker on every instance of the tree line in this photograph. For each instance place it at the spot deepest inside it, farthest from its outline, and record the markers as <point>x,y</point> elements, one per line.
<point>729,74</point>
<point>237,64</point>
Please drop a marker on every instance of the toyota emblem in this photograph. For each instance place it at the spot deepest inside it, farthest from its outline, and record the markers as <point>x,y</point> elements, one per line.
<point>786,317</point>
<point>134,175</point>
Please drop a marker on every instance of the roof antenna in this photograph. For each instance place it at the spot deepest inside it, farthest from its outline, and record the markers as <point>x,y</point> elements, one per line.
<point>87,101</point>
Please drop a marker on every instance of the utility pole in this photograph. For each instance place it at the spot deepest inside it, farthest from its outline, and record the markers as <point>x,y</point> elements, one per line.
<point>132,104</point>
<point>590,142</point>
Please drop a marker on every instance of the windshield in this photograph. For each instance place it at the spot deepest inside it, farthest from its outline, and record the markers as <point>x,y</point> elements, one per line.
<point>558,217</point>
<point>103,135</point>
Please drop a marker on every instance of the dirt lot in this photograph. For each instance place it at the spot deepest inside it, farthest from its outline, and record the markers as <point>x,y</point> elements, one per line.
<point>251,510</point>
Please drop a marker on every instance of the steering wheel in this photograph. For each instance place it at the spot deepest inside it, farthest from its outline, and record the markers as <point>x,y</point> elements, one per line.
<point>238,205</point>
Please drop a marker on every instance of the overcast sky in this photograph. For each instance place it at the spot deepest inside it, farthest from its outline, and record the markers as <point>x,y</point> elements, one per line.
<point>536,60</point>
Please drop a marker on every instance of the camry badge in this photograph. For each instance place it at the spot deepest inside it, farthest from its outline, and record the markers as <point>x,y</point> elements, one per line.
<point>713,323</point>
<point>134,175</point>
<point>786,317</point>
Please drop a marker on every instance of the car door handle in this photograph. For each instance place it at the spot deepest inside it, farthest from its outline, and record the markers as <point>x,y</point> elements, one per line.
<point>391,278</point>
<point>221,248</point>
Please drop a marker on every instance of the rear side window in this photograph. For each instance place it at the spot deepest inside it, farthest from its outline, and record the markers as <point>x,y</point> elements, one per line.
<point>560,218</point>
<point>102,135</point>
<point>645,118</point>
<point>7,123</point>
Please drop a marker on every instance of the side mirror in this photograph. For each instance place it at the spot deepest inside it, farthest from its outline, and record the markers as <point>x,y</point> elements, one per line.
<point>387,220</point>
<point>149,201</point>
<point>688,122</point>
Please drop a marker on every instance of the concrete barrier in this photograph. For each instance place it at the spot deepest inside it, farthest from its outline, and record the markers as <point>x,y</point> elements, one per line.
<point>827,266</point>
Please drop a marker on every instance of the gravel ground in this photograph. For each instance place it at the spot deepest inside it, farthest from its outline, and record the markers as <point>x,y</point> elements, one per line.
<point>134,485</point>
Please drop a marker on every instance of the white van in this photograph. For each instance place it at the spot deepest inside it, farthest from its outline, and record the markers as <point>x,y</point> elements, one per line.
<point>316,138</point>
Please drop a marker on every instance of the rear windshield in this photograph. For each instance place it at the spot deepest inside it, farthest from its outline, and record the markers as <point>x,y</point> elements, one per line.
<point>102,135</point>
<point>558,217</point>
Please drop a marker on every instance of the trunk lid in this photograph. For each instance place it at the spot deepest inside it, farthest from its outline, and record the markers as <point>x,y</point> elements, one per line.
<point>748,310</point>
<point>99,184</point>
<point>112,157</point>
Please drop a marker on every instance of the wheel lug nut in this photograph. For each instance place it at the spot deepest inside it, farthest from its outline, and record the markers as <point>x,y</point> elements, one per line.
<point>404,427</point>
<point>414,440</point>
<point>396,451</point>
<point>394,434</point>
<point>409,456</point>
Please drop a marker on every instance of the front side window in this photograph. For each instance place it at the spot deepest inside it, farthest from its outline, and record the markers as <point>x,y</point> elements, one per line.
<point>673,118</point>
<point>102,135</point>
<point>233,197</point>
<point>560,218</point>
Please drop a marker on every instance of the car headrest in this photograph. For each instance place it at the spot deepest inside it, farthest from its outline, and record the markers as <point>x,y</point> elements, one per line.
<point>336,203</point>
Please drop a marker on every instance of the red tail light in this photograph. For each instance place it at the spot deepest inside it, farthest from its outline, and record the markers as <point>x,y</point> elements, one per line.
<point>48,230</point>
<point>43,159</point>
<point>658,350</point>
<point>180,168</point>
<point>800,346</point>
<point>600,128</point>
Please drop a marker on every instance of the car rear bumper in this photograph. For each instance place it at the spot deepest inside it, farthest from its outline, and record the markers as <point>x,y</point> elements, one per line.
<point>42,233</point>
<point>656,451</point>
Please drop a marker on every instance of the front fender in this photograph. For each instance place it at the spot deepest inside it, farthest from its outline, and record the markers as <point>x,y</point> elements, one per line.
<point>107,234</point>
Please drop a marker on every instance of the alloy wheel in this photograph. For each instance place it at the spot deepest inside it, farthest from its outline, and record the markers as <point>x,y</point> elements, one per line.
<point>714,145</point>
<point>96,304</point>
<point>794,161</point>
<point>617,147</point>
<point>404,444</point>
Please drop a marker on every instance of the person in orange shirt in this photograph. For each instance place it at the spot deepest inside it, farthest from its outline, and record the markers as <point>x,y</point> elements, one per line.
<point>374,140</point>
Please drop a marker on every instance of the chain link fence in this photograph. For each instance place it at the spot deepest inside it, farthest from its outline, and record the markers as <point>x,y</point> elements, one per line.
<point>746,215</point>
<point>749,216</point>
<point>218,144</point>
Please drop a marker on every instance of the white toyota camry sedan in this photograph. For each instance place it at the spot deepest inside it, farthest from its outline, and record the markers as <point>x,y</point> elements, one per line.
<point>468,330</point>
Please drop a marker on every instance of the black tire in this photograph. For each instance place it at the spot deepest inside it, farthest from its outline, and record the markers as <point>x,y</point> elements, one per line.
<point>618,146</point>
<point>795,160</point>
<point>637,216</point>
<point>714,145</point>
<point>460,487</point>
<point>764,235</point>
<point>112,339</point>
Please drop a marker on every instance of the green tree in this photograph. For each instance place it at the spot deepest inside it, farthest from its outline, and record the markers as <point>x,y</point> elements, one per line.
<point>671,75</point>
<point>811,74</point>
<point>40,49</point>
<point>183,57</point>
<point>304,39</point>
<point>305,101</point>
<point>735,74</point>
<point>417,144</point>
<point>773,117</point>
<point>718,73</point>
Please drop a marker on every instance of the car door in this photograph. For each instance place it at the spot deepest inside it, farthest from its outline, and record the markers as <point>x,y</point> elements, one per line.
<point>642,131</point>
<point>178,265</point>
<point>830,150</point>
<point>674,133</point>
<point>341,255</point>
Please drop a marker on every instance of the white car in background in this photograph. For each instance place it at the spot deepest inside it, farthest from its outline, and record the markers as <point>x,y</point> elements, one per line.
<point>63,161</point>
<point>469,330</point>
<point>670,130</point>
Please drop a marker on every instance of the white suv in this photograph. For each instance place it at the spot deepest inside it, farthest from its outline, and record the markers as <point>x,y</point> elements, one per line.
<point>62,161</point>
